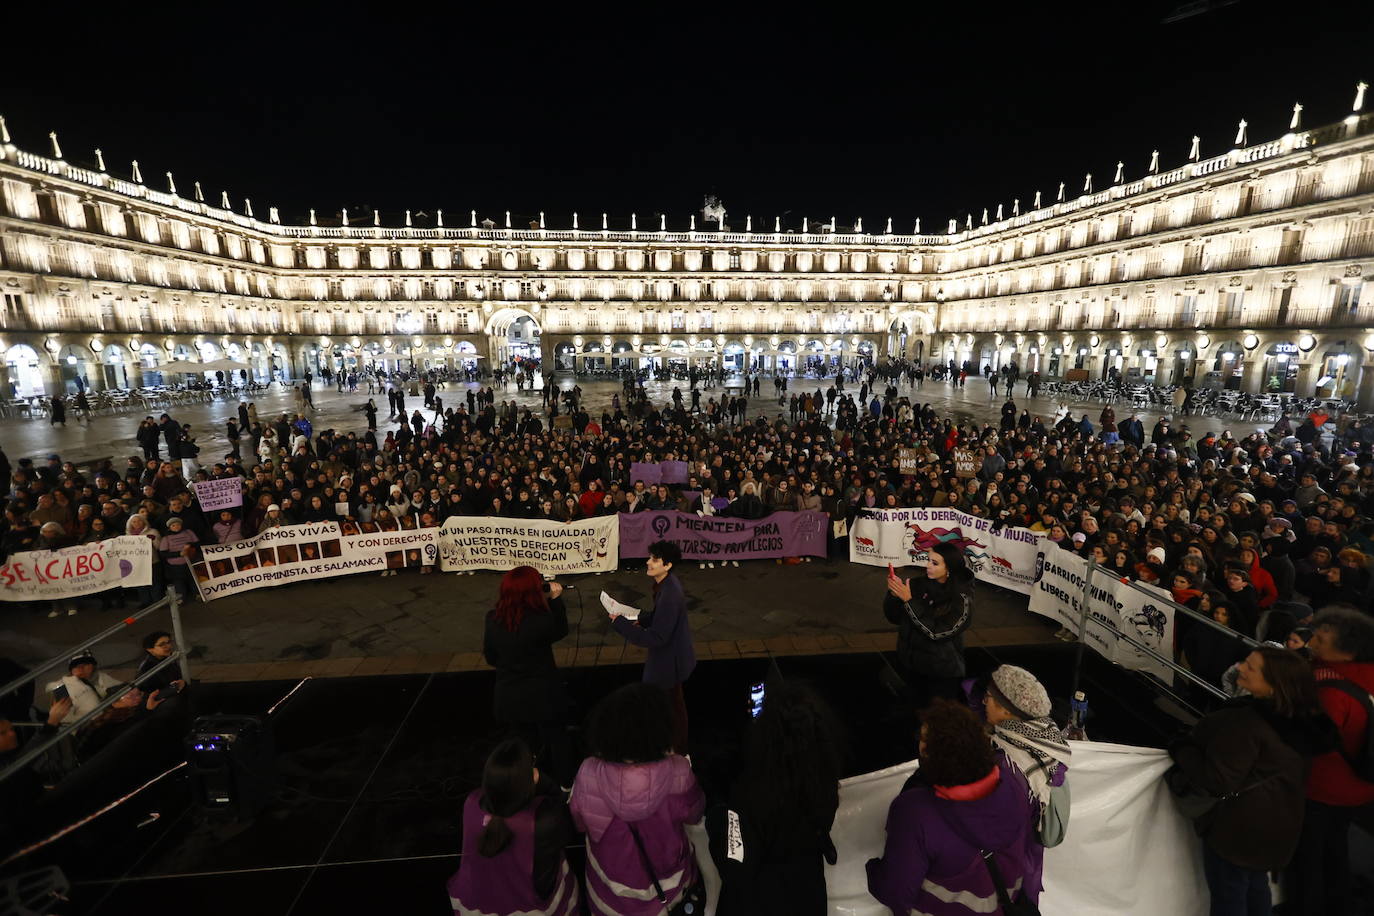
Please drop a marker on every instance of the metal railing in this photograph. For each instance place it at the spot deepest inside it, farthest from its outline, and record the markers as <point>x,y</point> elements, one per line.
<point>173,604</point>
<point>1085,617</point>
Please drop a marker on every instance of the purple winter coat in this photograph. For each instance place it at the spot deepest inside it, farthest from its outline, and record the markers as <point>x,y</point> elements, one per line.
<point>928,867</point>
<point>658,798</point>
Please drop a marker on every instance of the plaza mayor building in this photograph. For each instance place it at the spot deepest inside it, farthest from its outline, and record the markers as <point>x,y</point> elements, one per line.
<point>1245,270</point>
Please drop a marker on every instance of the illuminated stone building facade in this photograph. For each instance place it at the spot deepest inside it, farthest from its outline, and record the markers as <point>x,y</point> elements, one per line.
<point>1247,270</point>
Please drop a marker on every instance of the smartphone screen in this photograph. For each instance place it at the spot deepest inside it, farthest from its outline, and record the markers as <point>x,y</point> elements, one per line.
<point>60,692</point>
<point>756,692</point>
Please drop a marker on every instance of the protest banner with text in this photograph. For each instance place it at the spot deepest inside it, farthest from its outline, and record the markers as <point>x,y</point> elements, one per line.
<point>214,495</point>
<point>553,548</point>
<point>782,534</point>
<point>70,572</point>
<point>321,550</point>
<point>1113,607</point>
<point>1003,556</point>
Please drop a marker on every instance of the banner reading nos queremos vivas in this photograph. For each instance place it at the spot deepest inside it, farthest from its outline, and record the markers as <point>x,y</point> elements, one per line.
<point>320,550</point>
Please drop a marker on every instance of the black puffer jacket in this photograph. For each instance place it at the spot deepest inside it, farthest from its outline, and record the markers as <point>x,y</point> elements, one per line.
<point>930,638</point>
<point>1246,748</point>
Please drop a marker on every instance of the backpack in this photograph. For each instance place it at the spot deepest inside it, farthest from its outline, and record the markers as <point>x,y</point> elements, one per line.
<point>1054,815</point>
<point>1363,760</point>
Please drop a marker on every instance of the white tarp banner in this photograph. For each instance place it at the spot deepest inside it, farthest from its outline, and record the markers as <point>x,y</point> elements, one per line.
<point>904,537</point>
<point>1128,850</point>
<point>553,548</point>
<point>319,550</point>
<point>1113,607</point>
<point>70,572</point>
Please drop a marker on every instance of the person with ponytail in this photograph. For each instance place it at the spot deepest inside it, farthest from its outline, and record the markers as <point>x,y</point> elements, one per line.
<point>515,828</point>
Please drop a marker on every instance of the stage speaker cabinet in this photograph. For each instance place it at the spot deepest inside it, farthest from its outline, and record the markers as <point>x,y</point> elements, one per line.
<point>232,763</point>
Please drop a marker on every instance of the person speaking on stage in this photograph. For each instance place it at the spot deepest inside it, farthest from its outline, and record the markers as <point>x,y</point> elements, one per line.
<point>665,632</point>
<point>932,614</point>
<point>530,696</point>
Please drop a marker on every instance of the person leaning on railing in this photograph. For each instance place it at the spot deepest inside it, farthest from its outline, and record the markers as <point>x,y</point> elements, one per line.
<point>1240,774</point>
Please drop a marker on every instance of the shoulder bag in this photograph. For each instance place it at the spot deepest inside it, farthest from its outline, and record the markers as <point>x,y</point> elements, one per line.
<point>693,899</point>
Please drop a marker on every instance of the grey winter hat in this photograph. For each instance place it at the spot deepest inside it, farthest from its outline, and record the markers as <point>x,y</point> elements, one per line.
<point>1026,697</point>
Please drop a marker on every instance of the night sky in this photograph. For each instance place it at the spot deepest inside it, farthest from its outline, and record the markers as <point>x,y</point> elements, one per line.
<point>845,110</point>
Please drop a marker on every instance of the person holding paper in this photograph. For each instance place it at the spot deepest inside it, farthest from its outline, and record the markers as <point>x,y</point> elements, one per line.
<point>665,632</point>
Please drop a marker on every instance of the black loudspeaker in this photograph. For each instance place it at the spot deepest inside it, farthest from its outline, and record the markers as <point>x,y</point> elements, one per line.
<point>232,763</point>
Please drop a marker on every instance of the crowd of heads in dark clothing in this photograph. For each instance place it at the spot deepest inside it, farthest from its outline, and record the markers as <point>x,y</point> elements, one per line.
<point>1183,511</point>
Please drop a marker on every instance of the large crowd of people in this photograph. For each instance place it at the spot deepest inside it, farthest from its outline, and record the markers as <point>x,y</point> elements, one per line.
<point>1257,530</point>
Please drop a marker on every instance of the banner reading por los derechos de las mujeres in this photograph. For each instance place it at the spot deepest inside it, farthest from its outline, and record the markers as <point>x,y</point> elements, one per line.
<point>554,548</point>
<point>318,550</point>
<point>70,572</point>
<point>904,537</point>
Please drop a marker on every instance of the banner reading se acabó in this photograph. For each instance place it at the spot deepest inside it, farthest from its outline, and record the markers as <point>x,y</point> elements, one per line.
<point>70,572</point>
<point>554,548</point>
<point>904,537</point>
<point>319,550</point>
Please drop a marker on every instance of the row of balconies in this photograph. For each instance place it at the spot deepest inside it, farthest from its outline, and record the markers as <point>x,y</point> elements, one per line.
<point>63,260</point>
<point>996,319</point>
<point>215,241</point>
<point>1162,217</point>
<point>1197,259</point>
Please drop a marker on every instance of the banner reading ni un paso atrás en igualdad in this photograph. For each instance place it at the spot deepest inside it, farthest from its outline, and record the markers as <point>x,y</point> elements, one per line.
<point>553,548</point>
<point>320,550</point>
<point>782,534</point>
<point>904,537</point>
<point>70,572</point>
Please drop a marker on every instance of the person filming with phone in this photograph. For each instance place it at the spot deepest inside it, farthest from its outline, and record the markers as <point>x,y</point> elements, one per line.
<point>932,614</point>
<point>83,685</point>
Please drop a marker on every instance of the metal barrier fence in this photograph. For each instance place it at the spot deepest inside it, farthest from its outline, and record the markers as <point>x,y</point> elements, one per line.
<point>1169,663</point>
<point>173,604</point>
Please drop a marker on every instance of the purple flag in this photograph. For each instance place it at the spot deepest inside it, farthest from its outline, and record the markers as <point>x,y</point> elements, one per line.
<point>782,534</point>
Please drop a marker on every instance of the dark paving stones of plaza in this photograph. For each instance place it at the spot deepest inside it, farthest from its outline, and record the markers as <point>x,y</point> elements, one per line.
<point>413,623</point>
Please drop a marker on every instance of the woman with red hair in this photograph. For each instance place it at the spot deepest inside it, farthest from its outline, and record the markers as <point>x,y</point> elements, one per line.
<point>520,633</point>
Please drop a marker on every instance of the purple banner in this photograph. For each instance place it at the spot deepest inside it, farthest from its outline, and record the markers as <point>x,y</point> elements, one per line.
<point>674,472</point>
<point>651,474</point>
<point>782,534</point>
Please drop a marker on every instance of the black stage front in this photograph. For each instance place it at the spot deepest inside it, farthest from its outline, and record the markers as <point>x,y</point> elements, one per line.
<point>372,772</point>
